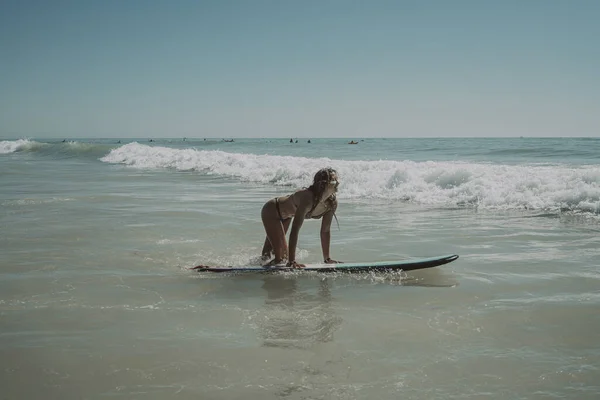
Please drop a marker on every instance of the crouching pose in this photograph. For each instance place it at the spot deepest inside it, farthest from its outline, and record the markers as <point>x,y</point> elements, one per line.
<point>316,201</point>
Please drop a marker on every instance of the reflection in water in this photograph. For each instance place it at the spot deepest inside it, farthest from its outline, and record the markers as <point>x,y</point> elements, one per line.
<point>295,318</point>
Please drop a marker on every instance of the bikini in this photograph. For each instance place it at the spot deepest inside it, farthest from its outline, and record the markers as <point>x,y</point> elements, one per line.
<point>308,215</point>
<point>278,210</point>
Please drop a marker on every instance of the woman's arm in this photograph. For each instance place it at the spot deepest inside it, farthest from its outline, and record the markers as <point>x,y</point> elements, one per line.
<point>326,234</point>
<point>304,205</point>
<point>296,225</point>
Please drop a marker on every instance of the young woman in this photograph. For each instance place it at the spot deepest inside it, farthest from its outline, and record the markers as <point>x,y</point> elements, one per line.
<point>316,201</point>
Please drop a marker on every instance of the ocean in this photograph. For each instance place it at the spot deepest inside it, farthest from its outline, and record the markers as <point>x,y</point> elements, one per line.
<point>97,299</point>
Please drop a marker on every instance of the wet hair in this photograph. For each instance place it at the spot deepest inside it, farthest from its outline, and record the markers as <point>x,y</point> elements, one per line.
<point>320,182</point>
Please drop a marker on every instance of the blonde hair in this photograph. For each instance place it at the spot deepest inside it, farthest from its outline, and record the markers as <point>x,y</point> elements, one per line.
<point>318,187</point>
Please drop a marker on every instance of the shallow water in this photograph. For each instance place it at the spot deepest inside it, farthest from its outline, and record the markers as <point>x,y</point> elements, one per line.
<point>96,298</point>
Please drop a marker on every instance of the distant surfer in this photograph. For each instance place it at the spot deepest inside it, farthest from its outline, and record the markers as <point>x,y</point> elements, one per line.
<point>352,142</point>
<point>316,201</point>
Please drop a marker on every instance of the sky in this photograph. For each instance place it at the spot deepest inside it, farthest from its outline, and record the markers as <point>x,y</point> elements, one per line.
<point>272,68</point>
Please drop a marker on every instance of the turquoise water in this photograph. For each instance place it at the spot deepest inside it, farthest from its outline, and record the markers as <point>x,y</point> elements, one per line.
<point>96,298</point>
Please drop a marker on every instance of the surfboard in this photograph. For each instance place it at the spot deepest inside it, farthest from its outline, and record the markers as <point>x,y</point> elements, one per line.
<point>356,267</point>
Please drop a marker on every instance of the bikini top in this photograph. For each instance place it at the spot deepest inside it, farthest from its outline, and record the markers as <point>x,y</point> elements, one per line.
<point>308,214</point>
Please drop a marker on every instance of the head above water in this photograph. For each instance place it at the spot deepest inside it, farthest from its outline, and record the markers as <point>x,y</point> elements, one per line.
<point>323,178</point>
<point>324,188</point>
<point>324,185</point>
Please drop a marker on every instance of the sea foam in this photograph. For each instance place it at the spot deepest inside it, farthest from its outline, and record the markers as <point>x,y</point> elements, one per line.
<point>431,183</point>
<point>12,146</point>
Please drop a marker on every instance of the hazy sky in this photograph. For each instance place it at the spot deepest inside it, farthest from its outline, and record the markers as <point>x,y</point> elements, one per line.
<point>283,68</point>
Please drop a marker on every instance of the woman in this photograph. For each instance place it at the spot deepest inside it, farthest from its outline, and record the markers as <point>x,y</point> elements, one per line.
<point>316,201</point>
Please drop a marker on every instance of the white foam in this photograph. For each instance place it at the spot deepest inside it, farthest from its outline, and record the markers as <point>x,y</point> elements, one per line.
<point>11,146</point>
<point>445,184</point>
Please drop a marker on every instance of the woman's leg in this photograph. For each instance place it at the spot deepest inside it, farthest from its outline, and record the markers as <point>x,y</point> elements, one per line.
<point>267,248</point>
<point>286,225</point>
<point>275,231</point>
<point>276,236</point>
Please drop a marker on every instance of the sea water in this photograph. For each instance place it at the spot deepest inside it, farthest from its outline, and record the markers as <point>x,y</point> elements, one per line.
<point>97,299</point>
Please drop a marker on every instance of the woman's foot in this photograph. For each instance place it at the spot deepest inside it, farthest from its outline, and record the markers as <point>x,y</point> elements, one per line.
<point>274,262</point>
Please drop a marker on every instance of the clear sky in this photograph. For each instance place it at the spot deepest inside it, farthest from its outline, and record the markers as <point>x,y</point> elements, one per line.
<point>279,68</point>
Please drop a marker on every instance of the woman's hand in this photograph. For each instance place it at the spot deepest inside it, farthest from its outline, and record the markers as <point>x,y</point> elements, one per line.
<point>294,264</point>
<point>330,261</point>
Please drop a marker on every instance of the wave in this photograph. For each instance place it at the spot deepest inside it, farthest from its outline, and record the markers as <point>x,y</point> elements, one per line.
<point>552,189</point>
<point>551,153</point>
<point>66,149</point>
<point>13,146</point>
